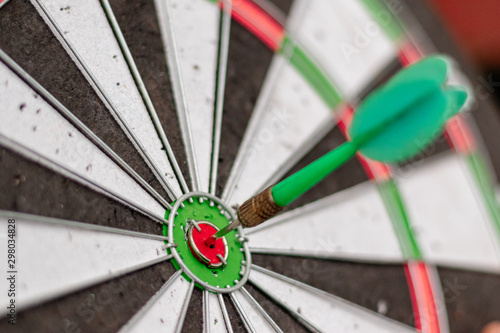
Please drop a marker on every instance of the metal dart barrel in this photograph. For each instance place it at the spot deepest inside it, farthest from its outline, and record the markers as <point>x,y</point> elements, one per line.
<point>253,212</point>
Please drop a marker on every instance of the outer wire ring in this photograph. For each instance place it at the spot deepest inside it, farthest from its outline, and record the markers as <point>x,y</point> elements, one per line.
<point>184,268</point>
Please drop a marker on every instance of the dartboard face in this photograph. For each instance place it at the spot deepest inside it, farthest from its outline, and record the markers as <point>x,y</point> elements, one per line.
<point>128,130</point>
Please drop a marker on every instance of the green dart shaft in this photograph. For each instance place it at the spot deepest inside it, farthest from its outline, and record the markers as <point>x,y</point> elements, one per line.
<point>270,201</point>
<point>300,182</point>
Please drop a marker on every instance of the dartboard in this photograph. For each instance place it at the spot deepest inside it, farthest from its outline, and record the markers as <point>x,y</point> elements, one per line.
<point>127,125</point>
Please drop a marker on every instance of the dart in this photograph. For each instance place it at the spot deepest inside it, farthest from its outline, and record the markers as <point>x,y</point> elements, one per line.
<point>394,123</point>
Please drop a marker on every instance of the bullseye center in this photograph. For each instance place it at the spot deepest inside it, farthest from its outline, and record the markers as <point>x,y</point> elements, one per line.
<point>213,255</point>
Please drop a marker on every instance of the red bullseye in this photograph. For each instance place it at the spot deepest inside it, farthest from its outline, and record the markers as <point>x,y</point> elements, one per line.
<point>213,255</point>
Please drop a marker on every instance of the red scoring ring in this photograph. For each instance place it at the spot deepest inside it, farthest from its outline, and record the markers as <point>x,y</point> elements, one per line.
<point>209,252</point>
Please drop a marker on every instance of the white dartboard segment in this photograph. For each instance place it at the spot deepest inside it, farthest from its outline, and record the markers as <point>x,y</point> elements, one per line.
<point>165,311</point>
<point>84,31</point>
<point>345,40</point>
<point>255,319</point>
<point>190,33</point>
<point>57,257</point>
<point>448,214</point>
<point>321,311</point>
<point>213,315</point>
<point>288,119</point>
<point>350,225</point>
<point>28,120</point>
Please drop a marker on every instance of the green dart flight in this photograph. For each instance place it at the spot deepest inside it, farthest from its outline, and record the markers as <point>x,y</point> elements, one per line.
<point>392,124</point>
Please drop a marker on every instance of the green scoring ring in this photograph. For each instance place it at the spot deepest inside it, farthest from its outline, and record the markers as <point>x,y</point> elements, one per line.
<point>224,279</point>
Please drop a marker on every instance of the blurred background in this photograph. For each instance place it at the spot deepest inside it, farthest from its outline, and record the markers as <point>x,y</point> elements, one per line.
<point>472,27</point>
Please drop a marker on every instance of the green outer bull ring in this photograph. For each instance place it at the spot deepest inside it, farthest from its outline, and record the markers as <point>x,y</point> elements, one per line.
<point>183,266</point>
